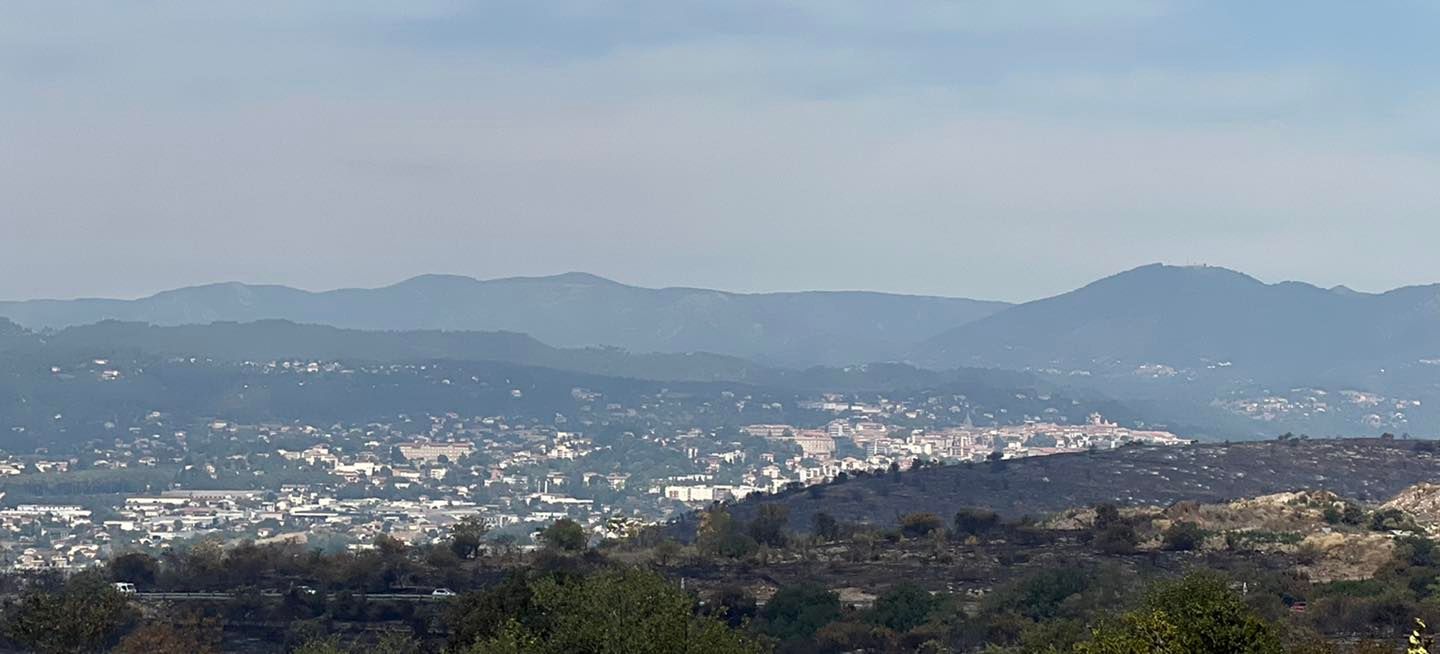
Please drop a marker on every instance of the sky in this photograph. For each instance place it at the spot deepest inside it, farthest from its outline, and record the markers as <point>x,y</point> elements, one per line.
<point>979,148</point>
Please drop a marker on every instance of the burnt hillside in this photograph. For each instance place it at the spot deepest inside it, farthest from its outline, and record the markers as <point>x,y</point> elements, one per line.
<point>1368,470</point>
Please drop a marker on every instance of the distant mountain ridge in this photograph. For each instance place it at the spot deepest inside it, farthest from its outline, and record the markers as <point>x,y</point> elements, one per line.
<point>1181,316</point>
<point>568,310</point>
<point>1188,316</point>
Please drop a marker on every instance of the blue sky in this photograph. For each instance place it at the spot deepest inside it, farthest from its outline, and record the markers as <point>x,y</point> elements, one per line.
<point>993,149</point>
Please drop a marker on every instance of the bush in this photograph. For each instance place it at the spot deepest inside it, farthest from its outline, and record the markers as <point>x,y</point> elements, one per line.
<point>721,535</point>
<point>1117,538</point>
<point>1389,520</point>
<point>904,607</point>
<point>1415,551</point>
<point>1197,615</point>
<point>194,636</point>
<point>87,615</point>
<point>796,612</point>
<point>623,610</point>
<point>733,605</point>
<point>1308,553</point>
<point>972,522</point>
<point>565,534</point>
<point>1040,595</point>
<point>1183,537</point>
<point>916,525</point>
<point>137,568</point>
<point>854,637</point>
<point>1106,515</point>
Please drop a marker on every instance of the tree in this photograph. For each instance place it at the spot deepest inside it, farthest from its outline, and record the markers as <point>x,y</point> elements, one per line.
<point>389,546</point>
<point>795,612</point>
<point>137,568</point>
<point>1106,515</point>
<point>620,611</point>
<point>87,615</point>
<point>1138,632</point>
<point>565,534</point>
<point>903,607</point>
<point>1415,551</point>
<point>768,527</point>
<point>467,535</point>
<point>1113,534</point>
<point>1195,615</point>
<point>826,528</point>
<point>1039,596</point>
<point>483,616</point>
<point>720,535</point>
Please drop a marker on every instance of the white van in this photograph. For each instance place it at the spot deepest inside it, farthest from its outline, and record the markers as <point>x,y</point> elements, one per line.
<point>124,587</point>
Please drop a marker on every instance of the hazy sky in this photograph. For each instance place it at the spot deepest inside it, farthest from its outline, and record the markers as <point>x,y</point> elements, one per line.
<point>996,149</point>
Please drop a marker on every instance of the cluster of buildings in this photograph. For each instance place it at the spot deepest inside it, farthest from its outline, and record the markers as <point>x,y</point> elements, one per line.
<point>1324,408</point>
<point>871,446</point>
<point>606,462</point>
<point>53,536</point>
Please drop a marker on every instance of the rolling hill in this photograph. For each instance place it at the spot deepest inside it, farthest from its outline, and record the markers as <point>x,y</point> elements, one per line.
<point>66,385</point>
<point>271,340</point>
<point>1368,470</point>
<point>569,310</point>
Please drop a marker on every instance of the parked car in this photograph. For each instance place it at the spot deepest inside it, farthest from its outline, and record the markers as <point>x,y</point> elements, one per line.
<point>442,592</point>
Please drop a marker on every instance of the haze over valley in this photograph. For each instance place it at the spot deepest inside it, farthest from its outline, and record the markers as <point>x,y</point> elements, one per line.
<point>863,348</point>
<point>1212,350</point>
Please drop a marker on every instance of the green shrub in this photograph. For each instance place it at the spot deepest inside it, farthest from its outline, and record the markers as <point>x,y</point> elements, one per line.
<point>1183,537</point>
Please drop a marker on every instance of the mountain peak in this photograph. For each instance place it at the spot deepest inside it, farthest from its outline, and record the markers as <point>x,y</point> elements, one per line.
<point>1189,315</point>
<point>1187,270</point>
<point>438,278</point>
<point>1160,278</point>
<point>577,277</point>
<point>574,277</point>
<point>220,290</point>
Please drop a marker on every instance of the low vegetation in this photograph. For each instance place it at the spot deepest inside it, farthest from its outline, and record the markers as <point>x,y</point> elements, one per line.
<point>1102,580</point>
